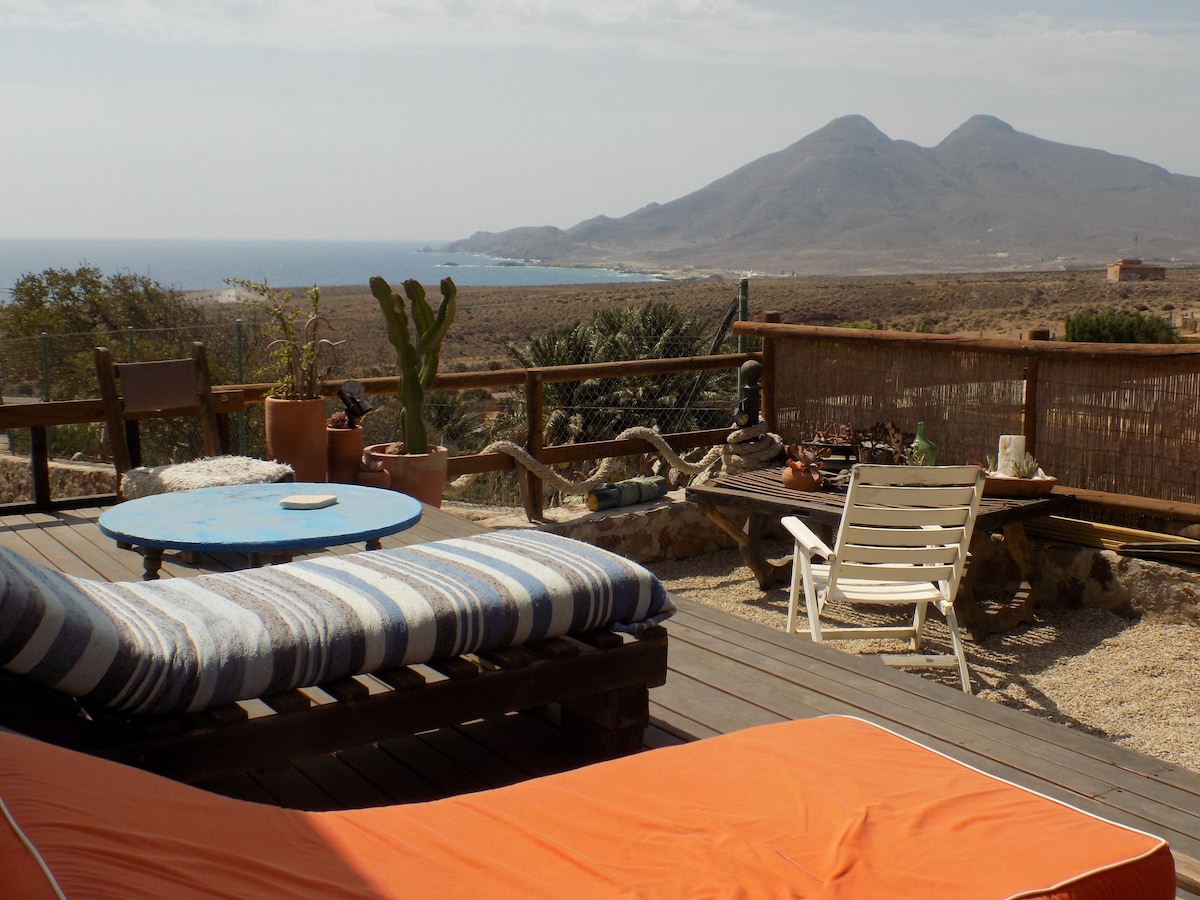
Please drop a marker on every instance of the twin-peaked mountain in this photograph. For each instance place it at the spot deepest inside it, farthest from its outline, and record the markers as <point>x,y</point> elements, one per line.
<point>848,199</point>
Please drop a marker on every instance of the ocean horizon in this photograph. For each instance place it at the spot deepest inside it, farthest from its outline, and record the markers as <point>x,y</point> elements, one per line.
<point>203,265</point>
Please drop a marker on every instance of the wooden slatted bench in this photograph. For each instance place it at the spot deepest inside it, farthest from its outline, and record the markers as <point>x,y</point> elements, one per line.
<point>599,680</point>
<point>457,630</point>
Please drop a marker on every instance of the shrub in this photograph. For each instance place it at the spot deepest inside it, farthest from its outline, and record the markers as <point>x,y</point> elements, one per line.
<point>1109,327</point>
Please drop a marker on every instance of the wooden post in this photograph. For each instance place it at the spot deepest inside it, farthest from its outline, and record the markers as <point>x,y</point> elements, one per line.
<point>743,313</point>
<point>533,443</point>
<point>39,466</point>
<point>769,352</point>
<point>1031,393</point>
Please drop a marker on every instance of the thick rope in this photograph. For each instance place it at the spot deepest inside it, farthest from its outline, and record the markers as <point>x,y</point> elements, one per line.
<point>747,448</point>
<point>750,448</point>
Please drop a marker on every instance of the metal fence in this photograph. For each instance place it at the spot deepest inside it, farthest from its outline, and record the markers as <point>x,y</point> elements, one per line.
<point>61,367</point>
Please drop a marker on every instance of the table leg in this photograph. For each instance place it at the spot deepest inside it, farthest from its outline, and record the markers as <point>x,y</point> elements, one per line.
<point>375,544</point>
<point>151,563</point>
<point>748,537</point>
<point>981,620</point>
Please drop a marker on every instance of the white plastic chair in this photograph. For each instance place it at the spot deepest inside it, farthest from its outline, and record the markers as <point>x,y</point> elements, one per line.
<point>902,541</point>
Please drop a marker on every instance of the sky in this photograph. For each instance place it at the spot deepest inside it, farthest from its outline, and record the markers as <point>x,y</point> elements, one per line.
<point>433,119</point>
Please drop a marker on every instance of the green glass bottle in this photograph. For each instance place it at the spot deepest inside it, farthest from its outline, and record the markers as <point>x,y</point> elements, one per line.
<point>924,451</point>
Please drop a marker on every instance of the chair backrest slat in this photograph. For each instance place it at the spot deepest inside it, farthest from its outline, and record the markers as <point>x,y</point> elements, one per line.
<point>915,495</point>
<point>907,517</point>
<point>903,537</point>
<point>898,556</point>
<point>158,386</point>
<point>906,574</point>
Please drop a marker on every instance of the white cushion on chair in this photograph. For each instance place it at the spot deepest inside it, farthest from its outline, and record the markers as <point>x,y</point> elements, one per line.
<point>215,471</point>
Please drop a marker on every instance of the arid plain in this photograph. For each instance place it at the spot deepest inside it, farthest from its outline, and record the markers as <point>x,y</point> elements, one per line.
<point>990,304</point>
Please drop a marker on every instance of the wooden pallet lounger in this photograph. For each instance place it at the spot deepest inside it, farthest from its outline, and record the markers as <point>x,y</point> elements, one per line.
<point>828,807</point>
<point>205,676</point>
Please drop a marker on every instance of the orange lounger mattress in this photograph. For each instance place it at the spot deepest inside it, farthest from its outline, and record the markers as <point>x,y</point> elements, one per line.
<point>829,807</point>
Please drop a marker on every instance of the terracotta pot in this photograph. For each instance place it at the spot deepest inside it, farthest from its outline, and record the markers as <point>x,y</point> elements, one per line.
<point>806,480</point>
<point>345,448</point>
<point>296,435</point>
<point>420,475</point>
<point>380,478</point>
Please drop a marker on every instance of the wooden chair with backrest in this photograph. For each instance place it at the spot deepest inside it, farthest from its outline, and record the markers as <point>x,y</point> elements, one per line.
<point>902,542</point>
<point>160,389</point>
<point>166,389</point>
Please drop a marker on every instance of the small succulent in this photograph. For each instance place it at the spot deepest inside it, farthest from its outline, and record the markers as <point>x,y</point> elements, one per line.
<point>1023,467</point>
<point>803,457</point>
<point>1026,466</point>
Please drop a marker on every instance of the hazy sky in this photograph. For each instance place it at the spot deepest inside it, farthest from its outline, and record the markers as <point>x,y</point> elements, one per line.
<point>431,119</point>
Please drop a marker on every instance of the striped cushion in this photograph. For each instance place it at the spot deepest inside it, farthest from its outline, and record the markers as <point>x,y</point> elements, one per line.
<point>186,644</point>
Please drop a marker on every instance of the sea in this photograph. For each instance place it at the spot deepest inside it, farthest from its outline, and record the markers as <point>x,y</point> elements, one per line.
<point>203,265</point>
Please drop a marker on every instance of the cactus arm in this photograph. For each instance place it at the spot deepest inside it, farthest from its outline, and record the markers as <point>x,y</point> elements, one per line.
<point>422,313</point>
<point>431,341</point>
<point>393,314</point>
<point>418,348</point>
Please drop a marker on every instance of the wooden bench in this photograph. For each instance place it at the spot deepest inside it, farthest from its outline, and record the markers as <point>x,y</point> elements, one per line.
<point>599,681</point>
<point>531,619</point>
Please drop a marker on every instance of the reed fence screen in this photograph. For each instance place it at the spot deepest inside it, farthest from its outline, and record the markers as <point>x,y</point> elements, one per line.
<point>1108,417</point>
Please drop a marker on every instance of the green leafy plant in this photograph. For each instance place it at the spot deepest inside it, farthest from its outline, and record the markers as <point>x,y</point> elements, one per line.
<point>416,331</point>
<point>297,352</point>
<point>1121,328</point>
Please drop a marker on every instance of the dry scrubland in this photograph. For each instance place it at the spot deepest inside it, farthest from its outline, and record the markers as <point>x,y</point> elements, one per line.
<point>994,305</point>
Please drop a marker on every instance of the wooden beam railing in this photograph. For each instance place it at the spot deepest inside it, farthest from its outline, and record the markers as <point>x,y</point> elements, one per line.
<point>37,417</point>
<point>1116,423</point>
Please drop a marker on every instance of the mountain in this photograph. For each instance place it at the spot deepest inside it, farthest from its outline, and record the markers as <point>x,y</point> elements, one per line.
<point>849,199</point>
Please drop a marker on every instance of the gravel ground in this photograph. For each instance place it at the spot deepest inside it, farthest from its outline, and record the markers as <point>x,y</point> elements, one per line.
<point>1135,683</point>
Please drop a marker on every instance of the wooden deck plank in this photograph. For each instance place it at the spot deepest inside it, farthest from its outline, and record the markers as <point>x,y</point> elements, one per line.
<point>443,771</point>
<point>1022,731</point>
<point>972,735</point>
<point>345,785</point>
<point>398,782</point>
<point>528,742</point>
<point>726,674</point>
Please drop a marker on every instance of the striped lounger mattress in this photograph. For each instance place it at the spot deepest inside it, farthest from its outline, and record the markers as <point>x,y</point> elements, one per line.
<point>188,644</point>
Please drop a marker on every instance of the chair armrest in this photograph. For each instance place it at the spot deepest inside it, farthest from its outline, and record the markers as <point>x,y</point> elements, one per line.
<point>806,541</point>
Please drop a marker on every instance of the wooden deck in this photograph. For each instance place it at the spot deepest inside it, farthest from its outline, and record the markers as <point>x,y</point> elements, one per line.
<point>725,674</point>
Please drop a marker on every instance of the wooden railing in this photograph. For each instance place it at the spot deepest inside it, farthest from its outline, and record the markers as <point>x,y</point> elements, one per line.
<point>38,417</point>
<point>1117,424</point>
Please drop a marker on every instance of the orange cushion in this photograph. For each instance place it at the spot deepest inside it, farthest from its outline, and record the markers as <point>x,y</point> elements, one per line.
<point>830,807</point>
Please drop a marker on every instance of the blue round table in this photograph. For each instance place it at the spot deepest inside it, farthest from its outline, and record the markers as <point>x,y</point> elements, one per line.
<point>248,518</point>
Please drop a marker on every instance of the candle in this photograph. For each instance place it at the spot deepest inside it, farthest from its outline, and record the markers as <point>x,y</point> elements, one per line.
<point>1012,448</point>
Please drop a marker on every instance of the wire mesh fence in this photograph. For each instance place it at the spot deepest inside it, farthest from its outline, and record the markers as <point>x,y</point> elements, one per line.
<point>61,367</point>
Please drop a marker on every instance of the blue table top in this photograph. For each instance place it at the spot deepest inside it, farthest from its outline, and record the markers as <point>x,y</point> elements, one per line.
<point>247,518</point>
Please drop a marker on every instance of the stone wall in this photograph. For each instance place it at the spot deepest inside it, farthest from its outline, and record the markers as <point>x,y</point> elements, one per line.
<point>1067,575</point>
<point>67,479</point>
<point>667,528</point>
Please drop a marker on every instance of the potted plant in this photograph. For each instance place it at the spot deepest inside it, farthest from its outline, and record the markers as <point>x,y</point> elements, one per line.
<point>344,445</point>
<point>416,331</point>
<point>294,410</point>
<point>344,437</point>
<point>802,471</point>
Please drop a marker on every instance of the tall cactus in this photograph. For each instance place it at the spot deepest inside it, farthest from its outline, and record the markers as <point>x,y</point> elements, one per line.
<point>416,332</point>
